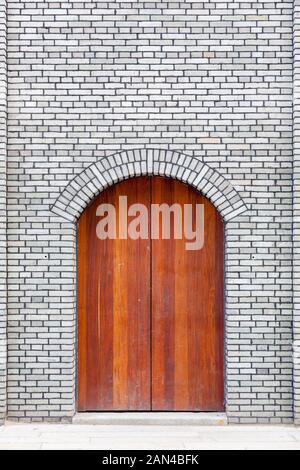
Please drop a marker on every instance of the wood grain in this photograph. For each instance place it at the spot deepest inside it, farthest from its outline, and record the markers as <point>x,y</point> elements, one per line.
<point>150,313</point>
<point>113,311</point>
<point>187,311</point>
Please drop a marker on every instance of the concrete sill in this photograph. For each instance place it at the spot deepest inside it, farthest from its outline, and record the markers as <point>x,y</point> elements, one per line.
<point>152,419</point>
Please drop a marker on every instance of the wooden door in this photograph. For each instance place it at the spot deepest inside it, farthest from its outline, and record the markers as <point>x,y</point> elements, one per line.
<point>150,331</point>
<point>187,311</point>
<point>114,310</point>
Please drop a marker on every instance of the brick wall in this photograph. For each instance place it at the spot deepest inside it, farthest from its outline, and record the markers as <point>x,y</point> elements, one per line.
<point>2,209</point>
<point>296,231</point>
<point>212,80</point>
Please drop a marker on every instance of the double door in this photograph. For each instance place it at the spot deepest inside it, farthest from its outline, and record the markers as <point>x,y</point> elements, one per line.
<point>150,311</point>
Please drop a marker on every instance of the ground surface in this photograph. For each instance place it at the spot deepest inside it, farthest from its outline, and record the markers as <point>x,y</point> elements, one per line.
<point>64,436</point>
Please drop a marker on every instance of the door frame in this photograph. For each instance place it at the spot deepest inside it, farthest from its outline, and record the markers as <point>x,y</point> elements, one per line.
<point>108,170</point>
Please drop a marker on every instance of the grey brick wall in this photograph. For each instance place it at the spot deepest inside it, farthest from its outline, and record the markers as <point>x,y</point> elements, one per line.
<point>211,80</point>
<point>3,119</point>
<point>296,231</point>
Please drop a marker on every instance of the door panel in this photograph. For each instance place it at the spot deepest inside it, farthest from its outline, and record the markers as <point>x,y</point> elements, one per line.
<point>187,311</point>
<point>114,311</point>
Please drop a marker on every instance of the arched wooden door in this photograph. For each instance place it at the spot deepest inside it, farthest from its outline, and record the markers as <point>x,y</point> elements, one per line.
<point>151,319</point>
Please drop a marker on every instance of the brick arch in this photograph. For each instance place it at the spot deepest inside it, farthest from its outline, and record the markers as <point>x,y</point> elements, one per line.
<point>82,189</point>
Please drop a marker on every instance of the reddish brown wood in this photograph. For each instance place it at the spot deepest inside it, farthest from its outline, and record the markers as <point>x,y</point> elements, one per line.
<point>151,322</point>
<point>187,312</point>
<point>114,311</point>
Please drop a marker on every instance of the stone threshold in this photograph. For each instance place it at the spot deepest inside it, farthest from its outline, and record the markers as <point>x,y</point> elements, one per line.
<point>151,418</point>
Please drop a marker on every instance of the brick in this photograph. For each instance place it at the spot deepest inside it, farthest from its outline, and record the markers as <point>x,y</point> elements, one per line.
<point>213,83</point>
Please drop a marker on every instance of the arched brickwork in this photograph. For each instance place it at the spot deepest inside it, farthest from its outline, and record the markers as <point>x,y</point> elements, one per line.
<point>108,171</point>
